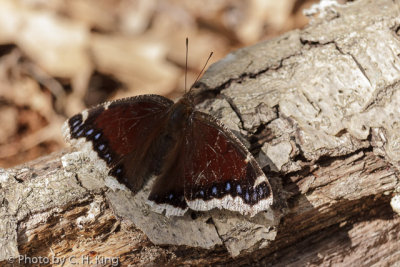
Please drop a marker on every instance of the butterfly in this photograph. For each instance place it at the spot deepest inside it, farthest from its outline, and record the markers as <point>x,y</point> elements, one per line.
<point>198,162</point>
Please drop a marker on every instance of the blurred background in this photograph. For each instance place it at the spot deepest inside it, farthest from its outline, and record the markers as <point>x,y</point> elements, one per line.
<point>59,57</point>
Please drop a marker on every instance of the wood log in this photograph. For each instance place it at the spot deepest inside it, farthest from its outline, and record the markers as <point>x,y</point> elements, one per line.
<point>319,109</point>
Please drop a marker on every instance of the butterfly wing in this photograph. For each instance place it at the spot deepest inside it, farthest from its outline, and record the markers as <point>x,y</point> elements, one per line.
<point>220,172</point>
<point>167,192</point>
<point>119,133</point>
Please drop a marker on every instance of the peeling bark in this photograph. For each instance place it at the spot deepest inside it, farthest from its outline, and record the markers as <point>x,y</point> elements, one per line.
<point>320,109</point>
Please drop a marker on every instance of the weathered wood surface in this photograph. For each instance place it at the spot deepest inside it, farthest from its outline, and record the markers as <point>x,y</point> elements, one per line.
<point>320,110</point>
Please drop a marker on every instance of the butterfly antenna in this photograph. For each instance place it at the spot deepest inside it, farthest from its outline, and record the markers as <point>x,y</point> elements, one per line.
<point>202,70</point>
<point>186,63</point>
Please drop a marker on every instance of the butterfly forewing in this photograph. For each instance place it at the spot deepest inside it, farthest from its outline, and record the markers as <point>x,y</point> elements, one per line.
<point>120,132</point>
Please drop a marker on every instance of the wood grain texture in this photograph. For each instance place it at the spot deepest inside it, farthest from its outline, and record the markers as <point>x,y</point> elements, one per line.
<point>319,107</point>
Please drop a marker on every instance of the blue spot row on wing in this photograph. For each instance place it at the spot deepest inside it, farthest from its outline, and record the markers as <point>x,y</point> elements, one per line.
<point>89,132</point>
<point>248,194</point>
<point>80,129</point>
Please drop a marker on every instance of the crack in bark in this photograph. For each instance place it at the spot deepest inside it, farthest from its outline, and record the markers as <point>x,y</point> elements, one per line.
<point>217,90</point>
<point>339,49</point>
<point>360,68</point>
<point>234,108</point>
<point>312,103</point>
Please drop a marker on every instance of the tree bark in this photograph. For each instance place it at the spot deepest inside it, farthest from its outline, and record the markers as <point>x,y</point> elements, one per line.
<point>319,109</point>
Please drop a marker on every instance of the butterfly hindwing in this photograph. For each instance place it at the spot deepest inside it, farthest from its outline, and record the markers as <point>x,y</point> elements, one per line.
<point>220,172</point>
<point>167,192</point>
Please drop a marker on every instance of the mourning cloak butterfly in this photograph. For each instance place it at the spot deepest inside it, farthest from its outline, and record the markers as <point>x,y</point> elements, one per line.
<point>198,162</point>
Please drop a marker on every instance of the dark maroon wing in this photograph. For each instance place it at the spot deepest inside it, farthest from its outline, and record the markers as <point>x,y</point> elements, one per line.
<point>220,172</point>
<point>167,192</point>
<point>119,132</point>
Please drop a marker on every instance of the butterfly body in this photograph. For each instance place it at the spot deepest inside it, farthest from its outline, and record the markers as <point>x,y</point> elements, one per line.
<point>198,162</point>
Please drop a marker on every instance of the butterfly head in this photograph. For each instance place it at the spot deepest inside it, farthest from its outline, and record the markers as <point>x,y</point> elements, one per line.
<point>180,113</point>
